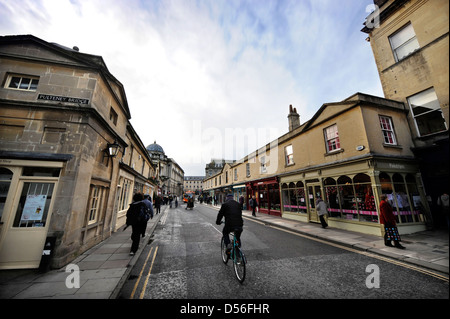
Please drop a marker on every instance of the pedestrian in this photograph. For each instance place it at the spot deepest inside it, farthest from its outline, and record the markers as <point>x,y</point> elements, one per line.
<point>233,220</point>
<point>241,202</point>
<point>443,203</point>
<point>135,214</point>
<point>387,218</point>
<point>157,204</point>
<point>253,205</point>
<point>149,214</point>
<point>322,211</point>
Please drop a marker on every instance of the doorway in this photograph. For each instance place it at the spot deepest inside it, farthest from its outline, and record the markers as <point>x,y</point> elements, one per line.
<point>26,195</point>
<point>314,192</point>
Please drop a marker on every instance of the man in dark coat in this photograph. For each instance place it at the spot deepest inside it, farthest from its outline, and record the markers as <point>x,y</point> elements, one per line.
<point>135,218</point>
<point>232,212</point>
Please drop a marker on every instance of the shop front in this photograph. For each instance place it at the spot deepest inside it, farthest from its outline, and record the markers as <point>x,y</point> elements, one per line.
<point>267,194</point>
<point>27,196</point>
<point>352,193</point>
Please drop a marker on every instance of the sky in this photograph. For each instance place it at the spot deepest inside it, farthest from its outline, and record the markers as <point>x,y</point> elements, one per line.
<point>213,78</point>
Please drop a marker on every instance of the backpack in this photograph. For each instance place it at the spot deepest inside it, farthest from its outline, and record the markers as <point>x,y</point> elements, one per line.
<point>144,213</point>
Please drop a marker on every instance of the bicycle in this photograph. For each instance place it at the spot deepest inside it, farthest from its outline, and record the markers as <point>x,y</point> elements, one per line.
<point>236,255</point>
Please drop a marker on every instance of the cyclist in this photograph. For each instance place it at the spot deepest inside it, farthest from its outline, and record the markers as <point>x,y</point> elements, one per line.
<point>232,212</point>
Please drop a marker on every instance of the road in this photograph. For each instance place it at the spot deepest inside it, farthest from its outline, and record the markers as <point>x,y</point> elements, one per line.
<point>182,261</point>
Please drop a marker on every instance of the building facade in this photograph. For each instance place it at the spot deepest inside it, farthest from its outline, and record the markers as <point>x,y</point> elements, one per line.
<point>69,158</point>
<point>169,175</point>
<point>410,44</point>
<point>349,154</point>
<point>193,184</point>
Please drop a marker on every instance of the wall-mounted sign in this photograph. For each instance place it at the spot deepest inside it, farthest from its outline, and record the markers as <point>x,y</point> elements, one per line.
<point>65,99</point>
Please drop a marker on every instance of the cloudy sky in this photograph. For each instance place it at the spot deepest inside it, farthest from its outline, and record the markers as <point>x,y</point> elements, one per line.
<point>213,78</point>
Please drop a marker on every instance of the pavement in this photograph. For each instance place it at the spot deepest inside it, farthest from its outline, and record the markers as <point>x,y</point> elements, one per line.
<point>103,270</point>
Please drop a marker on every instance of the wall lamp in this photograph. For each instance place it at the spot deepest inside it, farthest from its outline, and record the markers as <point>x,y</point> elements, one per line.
<point>111,150</point>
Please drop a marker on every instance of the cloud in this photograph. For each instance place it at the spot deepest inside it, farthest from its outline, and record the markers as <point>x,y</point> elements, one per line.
<point>201,75</point>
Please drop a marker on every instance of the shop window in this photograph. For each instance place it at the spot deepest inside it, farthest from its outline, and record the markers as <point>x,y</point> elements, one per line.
<point>293,197</point>
<point>34,204</point>
<point>347,198</point>
<point>5,181</point>
<point>427,112</point>
<point>404,42</point>
<point>22,82</point>
<point>274,197</point>
<point>417,207</point>
<point>331,197</point>
<point>365,200</point>
<point>263,197</point>
<point>388,130</point>
<point>332,139</point>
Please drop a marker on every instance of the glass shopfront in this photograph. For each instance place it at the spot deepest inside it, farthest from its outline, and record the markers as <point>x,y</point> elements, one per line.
<point>352,198</point>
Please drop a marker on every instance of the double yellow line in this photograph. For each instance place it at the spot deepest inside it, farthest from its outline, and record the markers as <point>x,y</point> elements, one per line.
<point>141,296</point>
<point>369,254</point>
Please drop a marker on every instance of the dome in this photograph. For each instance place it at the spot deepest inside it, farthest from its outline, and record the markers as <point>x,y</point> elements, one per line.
<point>155,148</point>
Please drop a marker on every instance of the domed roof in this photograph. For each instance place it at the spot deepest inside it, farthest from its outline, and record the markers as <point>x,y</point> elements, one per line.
<point>155,148</point>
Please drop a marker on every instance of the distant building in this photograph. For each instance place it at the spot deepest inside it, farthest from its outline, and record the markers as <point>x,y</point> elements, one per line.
<point>169,175</point>
<point>215,166</point>
<point>193,184</point>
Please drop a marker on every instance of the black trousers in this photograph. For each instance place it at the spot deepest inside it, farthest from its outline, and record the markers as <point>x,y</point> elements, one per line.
<point>322,221</point>
<point>136,231</point>
<point>226,233</point>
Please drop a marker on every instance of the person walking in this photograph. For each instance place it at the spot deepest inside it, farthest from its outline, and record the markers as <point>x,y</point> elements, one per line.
<point>387,218</point>
<point>149,213</point>
<point>322,211</point>
<point>157,204</point>
<point>253,205</point>
<point>135,214</point>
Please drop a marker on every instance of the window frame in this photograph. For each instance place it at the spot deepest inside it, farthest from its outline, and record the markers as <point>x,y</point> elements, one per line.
<point>436,109</point>
<point>329,142</point>
<point>386,130</point>
<point>395,49</point>
<point>32,78</point>
<point>289,157</point>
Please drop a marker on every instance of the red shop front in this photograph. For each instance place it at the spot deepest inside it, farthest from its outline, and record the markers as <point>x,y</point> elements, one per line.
<point>267,194</point>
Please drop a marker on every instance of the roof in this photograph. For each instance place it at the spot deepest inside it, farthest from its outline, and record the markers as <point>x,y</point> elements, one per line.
<point>155,148</point>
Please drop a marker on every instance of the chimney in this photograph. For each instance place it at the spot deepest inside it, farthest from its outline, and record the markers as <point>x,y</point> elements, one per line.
<point>294,118</point>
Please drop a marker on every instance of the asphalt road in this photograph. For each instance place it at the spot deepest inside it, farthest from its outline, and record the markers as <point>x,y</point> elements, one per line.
<point>182,261</point>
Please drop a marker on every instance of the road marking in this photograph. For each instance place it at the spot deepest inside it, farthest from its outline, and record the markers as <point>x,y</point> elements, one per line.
<point>148,275</point>
<point>365,253</point>
<point>140,274</point>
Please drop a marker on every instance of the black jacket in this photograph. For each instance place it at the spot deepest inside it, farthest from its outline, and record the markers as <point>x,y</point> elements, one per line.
<point>232,212</point>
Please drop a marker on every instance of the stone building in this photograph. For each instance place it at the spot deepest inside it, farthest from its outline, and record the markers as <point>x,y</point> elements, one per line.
<point>349,153</point>
<point>410,44</point>
<point>169,175</point>
<point>69,157</point>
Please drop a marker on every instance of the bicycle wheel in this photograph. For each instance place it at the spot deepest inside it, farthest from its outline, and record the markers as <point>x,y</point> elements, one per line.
<point>239,264</point>
<point>223,251</point>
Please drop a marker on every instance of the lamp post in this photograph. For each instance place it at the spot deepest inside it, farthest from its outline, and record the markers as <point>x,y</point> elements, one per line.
<point>111,151</point>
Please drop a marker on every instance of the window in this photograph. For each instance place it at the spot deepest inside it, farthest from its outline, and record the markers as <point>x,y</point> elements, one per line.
<point>94,208</point>
<point>235,174</point>
<point>263,164</point>
<point>247,169</point>
<point>19,82</point>
<point>388,130</point>
<point>289,153</point>
<point>427,112</point>
<point>404,42</point>
<point>332,138</point>
<point>113,116</point>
